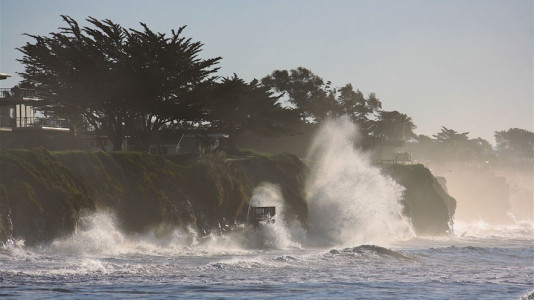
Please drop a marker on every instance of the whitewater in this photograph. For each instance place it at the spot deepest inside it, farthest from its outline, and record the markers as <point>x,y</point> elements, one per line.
<point>355,245</point>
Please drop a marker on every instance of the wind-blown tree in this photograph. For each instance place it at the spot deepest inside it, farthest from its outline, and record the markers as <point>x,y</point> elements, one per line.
<point>316,100</point>
<point>172,78</point>
<point>307,92</point>
<point>357,107</point>
<point>235,106</point>
<point>515,144</point>
<point>450,136</point>
<point>121,81</point>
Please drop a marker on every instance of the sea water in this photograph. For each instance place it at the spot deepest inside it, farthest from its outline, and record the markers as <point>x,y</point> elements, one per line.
<point>356,245</point>
<point>101,263</point>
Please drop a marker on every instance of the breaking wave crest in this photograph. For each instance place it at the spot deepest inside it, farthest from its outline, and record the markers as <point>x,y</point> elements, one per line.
<point>98,234</point>
<point>369,251</point>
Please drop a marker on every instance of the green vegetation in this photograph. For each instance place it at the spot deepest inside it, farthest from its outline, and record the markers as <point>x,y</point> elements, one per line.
<point>39,194</point>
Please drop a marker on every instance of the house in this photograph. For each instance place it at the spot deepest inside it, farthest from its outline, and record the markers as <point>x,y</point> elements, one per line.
<point>21,126</point>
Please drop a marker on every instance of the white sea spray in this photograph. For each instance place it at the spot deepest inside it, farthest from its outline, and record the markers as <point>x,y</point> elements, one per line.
<point>349,201</point>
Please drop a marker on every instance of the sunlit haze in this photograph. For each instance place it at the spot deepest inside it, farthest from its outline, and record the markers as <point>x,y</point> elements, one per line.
<point>465,65</point>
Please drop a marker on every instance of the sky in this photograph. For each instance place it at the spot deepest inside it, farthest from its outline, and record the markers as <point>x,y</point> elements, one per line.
<point>463,64</point>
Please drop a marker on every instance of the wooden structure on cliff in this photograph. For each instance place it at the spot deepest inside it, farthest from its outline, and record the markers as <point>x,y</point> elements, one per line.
<point>260,214</point>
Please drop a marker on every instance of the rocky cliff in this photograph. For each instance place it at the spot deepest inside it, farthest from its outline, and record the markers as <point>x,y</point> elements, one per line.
<point>428,205</point>
<point>43,194</point>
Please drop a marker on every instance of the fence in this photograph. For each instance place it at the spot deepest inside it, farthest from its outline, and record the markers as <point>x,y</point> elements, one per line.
<point>17,93</point>
<point>34,122</point>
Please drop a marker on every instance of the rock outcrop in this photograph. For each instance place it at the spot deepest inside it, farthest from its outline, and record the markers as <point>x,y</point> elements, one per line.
<point>428,205</point>
<point>43,194</point>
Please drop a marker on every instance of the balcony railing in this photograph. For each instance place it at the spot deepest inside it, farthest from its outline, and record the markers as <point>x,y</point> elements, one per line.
<point>33,122</point>
<point>17,94</point>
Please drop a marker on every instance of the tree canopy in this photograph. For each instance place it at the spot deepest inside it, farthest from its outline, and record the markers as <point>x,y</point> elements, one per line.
<point>305,91</point>
<point>235,106</point>
<point>451,145</point>
<point>515,144</point>
<point>122,81</point>
<point>393,125</point>
<point>316,100</point>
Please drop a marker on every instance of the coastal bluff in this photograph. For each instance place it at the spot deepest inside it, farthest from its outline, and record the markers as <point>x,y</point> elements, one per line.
<point>43,194</point>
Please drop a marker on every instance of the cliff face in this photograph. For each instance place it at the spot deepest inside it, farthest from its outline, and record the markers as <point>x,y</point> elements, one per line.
<point>39,197</point>
<point>42,194</point>
<point>428,205</point>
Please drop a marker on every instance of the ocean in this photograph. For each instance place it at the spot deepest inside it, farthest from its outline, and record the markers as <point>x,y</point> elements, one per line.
<point>478,261</point>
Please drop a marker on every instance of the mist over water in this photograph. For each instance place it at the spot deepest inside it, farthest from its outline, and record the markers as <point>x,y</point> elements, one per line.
<point>493,194</point>
<point>350,202</point>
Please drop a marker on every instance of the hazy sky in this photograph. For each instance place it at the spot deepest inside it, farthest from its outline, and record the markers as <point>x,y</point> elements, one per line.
<point>466,65</point>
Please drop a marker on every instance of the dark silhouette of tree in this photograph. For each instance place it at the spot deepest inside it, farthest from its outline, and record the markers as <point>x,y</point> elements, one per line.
<point>450,145</point>
<point>453,145</point>
<point>357,107</point>
<point>123,82</point>
<point>450,136</point>
<point>316,100</point>
<point>481,150</point>
<point>235,106</point>
<point>305,91</point>
<point>515,145</point>
<point>394,126</point>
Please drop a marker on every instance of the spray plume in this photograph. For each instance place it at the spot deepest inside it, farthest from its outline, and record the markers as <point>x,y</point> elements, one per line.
<point>350,202</point>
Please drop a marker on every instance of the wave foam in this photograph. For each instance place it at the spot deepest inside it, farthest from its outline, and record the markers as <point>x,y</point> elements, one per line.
<point>349,200</point>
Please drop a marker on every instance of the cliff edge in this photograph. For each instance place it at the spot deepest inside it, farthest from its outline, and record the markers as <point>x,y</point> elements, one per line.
<point>428,205</point>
